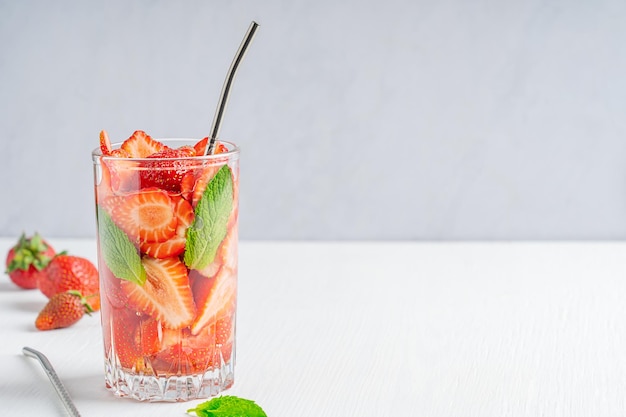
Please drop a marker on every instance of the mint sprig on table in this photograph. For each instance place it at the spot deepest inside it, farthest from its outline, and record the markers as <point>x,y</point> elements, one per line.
<point>119,254</point>
<point>228,406</point>
<point>211,220</point>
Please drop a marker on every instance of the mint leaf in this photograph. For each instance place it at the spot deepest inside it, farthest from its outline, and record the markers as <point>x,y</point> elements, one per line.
<point>228,406</point>
<point>119,254</point>
<point>210,224</point>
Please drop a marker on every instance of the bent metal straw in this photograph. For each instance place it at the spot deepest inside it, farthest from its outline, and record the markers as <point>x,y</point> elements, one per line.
<point>221,105</point>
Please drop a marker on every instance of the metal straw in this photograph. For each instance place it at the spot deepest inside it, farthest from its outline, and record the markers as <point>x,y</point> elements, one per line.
<point>221,105</point>
<point>54,378</point>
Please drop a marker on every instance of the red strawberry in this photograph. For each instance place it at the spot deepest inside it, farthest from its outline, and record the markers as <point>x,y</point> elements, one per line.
<point>148,336</point>
<point>169,170</point>
<point>165,295</point>
<point>111,203</point>
<point>27,260</point>
<point>105,143</point>
<point>119,174</point>
<point>175,245</point>
<point>140,145</point>
<point>225,336</point>
<point>215,301</point>
<point>116,174</point>
<point>146,215</point>
<point>63,310</point>
<point>201,146</point>
<point>186,185</point>
<point>202,180</point>
<point>220,148</point>
<point>183,353</point>
<point>111,288</point>
<point>224,329</point>
<point>124,171</point>
<point>66,272</point>
<point>130,335</point>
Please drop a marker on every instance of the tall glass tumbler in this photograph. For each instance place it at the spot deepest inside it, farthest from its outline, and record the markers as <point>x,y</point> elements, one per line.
<point>167,255</point>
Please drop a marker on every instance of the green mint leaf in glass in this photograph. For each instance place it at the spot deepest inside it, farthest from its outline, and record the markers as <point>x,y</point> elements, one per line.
<point>210,224</point>
<point>119,254</point>
<point>228,406</point>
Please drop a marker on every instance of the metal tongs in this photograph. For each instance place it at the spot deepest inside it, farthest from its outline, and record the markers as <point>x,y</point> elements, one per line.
<point>54,378</point>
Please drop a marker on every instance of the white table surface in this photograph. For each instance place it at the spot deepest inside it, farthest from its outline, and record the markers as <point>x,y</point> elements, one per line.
<point>376,329</point>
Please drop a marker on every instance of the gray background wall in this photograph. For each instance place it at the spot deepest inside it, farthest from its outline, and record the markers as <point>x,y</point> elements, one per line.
<point>402,119</point>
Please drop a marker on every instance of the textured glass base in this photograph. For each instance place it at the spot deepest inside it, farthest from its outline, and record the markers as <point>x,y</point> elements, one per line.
<point>173,388</point>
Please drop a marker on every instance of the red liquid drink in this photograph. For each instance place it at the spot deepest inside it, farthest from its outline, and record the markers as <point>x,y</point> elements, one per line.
<point>167,255</point>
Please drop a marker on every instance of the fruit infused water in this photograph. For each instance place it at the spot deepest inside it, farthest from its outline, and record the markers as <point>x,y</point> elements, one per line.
<point>167,253</point>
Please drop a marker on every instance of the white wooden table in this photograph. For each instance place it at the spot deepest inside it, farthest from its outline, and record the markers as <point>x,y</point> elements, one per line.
<point>376,329</point>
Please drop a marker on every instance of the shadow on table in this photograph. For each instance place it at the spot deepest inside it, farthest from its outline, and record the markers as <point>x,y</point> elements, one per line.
<point>6,286</point>
<point>19,303</point>
<point>33,307</point>
<point>90,391</point>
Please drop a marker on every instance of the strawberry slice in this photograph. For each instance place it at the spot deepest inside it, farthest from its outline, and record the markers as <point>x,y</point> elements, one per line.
<point>214,300</point>
<point>124,325</point>
<point>146,215</point>
<point>204,177</point>
<point>184,353</point>
<point>168,170</point>
<point>140,145</point>
<point>220,148</point>
<point>201,146</point>
<point>122,172</point>
<point>166,295</point>
<point>111,289</point>
<point>110,203</point>
<point>148,336</point>
<point>224,329</point>
<point>225,336</point>
<point>117,175</point>
<point>186,185</point>
<point>175,245</point>
<point>120,153</point>
<point>105,143</point>
<point>184,215</point>
<point>161,250</point>
<point>202,180</point>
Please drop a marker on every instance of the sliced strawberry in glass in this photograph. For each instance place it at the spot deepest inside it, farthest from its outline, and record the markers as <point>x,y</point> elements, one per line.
<point>105,143</point>
<point>216,301</point>
<point>168,170</point>
<point>166,295</point>
<point>141,145</point>
<point>146,216</point>
<point>175,245</point>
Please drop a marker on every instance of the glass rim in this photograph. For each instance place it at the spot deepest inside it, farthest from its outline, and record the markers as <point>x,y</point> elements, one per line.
<point>231,154</point>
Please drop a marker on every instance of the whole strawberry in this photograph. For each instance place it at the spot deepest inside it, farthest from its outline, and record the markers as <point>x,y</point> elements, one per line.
<point>63,310</point>
<point>168,169</point>
<point>27,259</point>
<point>67,272</point>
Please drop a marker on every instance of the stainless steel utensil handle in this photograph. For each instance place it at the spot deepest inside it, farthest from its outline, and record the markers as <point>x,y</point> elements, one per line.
<point>54,378</point>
